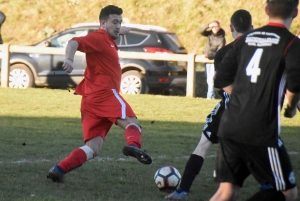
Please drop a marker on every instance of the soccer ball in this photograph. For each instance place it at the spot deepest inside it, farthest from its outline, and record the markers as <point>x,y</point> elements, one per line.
<point>167,178</point>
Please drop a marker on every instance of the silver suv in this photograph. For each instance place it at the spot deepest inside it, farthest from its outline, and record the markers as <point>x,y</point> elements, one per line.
<point>139,76</point>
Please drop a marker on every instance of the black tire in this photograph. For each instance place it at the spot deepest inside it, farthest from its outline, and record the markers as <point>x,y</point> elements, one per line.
<point>20,76</point>
<point>133,82</point>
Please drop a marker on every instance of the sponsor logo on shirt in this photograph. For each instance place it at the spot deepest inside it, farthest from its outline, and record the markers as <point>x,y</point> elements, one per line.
<point>262,39</point>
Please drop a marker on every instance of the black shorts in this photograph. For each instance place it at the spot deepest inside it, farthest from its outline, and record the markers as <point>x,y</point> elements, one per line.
<point>211,127</point>
<point>236,161</point>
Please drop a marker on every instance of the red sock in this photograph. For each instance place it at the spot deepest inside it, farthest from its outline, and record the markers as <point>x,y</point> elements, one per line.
<point>133,136</point>
<point>76,158</point>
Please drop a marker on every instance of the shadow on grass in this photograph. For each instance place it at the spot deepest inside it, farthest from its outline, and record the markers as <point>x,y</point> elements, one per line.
<point>30,146</point>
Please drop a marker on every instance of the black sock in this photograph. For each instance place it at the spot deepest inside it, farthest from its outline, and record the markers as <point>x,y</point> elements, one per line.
<point>270,194</point>
<point>192,169</point>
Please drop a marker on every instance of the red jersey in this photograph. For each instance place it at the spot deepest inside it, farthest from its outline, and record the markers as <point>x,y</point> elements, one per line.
<point>103,70</point>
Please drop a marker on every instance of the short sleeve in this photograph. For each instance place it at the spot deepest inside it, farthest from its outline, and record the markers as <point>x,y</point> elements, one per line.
<point>92,42</point>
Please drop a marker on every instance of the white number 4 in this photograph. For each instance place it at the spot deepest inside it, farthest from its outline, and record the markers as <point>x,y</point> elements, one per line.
<point>253,69</point>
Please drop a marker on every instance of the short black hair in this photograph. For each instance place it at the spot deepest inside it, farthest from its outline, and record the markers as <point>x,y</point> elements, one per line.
<point>108,10</point>
<point>282,8</point>
<point>241,20</point>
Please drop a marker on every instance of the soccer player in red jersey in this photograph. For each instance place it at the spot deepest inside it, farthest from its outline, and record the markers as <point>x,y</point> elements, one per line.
<point>101,104</point>
<point>260,69</point>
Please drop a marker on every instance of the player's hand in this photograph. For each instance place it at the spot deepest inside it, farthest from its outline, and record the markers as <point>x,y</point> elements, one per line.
<point>68,65</point>
<point>124,30</point>
<point>289,112</point>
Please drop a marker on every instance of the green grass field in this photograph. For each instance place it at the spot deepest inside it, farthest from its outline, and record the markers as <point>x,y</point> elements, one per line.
<point>39,127</point>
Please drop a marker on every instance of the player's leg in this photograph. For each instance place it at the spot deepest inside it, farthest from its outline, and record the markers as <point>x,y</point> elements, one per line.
<point>132,131</point>
<point>272,165</point>
<point>226,192</point>
<point>291,194</point>
<point>94,131</point>
<point>195,163</point>
<point>231,170</point>
<point>203,146</point>
<point>196,160</point>
<point>133,137</point>
<point>192,169</point>
<point>120,113</point>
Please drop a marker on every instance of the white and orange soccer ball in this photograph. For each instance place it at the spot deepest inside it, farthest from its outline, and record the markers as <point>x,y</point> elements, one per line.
<point>167,178</point>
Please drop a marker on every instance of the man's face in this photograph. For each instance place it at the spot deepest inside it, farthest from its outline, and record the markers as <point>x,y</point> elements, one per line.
<point>215,27</point>
<point>112,25</point>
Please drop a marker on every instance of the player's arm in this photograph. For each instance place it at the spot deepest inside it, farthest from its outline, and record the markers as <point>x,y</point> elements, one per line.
<point>218,59</point>
<point>292,61</point>
<point>226,71</point>
<point>292,100</point>
<point>70,52</point>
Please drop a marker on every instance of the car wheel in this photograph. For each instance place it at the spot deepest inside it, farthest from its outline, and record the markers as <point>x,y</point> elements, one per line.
<point>133,82</point>
<point>20,76</point>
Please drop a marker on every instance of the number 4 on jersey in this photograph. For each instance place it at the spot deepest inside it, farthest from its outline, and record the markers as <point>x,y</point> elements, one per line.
<point>253,69</point>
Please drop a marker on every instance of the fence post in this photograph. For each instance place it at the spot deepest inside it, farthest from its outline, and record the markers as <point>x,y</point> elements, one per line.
<point>5,65</point>
<point>190,78</point>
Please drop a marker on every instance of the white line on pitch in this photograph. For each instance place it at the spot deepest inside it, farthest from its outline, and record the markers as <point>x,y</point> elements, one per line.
<point>97,159</point>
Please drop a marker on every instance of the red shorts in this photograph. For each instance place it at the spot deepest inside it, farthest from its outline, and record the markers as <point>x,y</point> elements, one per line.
<point>99,113</point>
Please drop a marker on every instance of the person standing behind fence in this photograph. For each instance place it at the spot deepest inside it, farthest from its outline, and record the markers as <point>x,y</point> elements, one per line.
<point>215,41</point>
<point>2,19</point>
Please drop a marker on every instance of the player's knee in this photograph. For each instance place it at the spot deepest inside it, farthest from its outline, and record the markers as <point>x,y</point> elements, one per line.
<point>94,146</point>
<point>225,196</point>
<point>135,125</point>
<point>90,153</point>
<point>291,194</point>
<point>230,192</point>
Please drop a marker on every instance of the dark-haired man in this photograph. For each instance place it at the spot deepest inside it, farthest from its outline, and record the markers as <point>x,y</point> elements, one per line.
<point>240,22</point>
<point>255,72</point>
<point>101,104</point>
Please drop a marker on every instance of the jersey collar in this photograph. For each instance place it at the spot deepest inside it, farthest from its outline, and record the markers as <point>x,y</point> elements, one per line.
<point>274,24</point>
<point>238,38</point>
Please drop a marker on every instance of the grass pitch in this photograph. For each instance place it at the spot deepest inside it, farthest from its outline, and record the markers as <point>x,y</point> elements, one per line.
<point>39,127</point>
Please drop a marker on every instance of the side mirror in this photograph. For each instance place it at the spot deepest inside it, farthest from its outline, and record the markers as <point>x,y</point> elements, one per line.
<point>47,44</point>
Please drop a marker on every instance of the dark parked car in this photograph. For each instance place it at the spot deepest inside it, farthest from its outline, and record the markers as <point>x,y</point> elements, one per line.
<point>139,76</point>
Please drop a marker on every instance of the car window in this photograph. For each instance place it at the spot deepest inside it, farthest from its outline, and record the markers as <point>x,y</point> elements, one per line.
<point>135,38</point>
<point>62,40</point>
<point>172,40</point>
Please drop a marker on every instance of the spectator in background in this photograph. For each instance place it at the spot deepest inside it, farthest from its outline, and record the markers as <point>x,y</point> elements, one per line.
<point>215,41</point>
<point>2,19</point>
